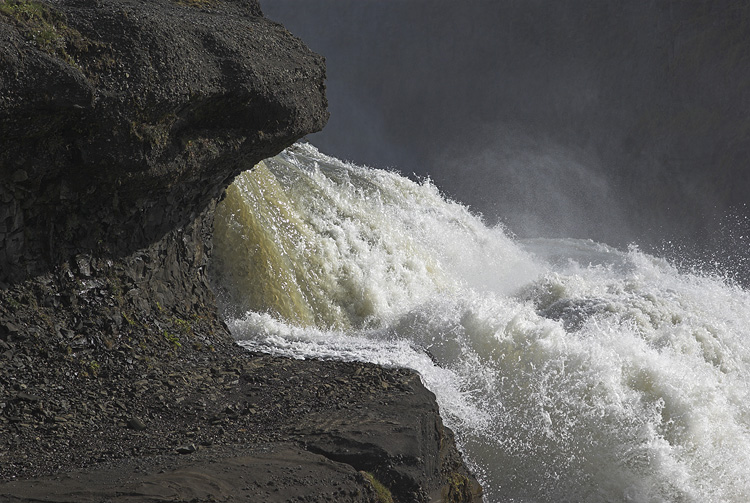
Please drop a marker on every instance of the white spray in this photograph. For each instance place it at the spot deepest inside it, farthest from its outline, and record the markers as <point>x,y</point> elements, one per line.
<point>569,370</point>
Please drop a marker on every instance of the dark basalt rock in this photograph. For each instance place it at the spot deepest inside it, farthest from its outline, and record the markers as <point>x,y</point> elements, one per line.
<point>269,429</point>
<point>268,473</point>
<point>401,454</point>
<point>128,117</point>
<point>122,122</point>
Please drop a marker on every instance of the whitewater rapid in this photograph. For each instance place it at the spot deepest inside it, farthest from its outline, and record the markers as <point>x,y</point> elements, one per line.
<point>569,370</point>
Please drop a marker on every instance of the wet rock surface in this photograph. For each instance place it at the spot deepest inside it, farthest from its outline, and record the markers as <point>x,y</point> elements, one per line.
<point>274,472</point>
<point>225,426</point>
<point>105,365</point>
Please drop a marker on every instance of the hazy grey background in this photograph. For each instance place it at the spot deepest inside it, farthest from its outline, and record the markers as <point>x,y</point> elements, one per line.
<point>619,121</point>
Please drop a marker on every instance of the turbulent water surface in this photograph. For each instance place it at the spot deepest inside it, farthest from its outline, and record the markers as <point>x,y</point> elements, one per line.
<point>570,371</point>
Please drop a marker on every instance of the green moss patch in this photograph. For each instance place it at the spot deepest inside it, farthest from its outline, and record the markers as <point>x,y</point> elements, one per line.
<point>458,490</point>
<point>384,495</point>
<point>42,25</point>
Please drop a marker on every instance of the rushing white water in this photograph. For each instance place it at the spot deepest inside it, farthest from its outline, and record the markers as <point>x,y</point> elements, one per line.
<point>570,371</point>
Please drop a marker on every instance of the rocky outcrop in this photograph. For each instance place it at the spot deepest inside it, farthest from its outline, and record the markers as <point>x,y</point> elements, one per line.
<point>121,119</point>
<point>237,428</point>
<point>260,473</point>
<point>122,122</point>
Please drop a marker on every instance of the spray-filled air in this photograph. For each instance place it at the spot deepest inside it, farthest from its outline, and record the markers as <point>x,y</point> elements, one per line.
<point>569,370</point>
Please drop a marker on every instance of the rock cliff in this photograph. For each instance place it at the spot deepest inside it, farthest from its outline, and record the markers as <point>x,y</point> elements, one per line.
<point>122,122</point>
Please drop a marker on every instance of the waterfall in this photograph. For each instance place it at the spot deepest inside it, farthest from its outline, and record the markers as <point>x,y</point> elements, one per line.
<point>569,370</point>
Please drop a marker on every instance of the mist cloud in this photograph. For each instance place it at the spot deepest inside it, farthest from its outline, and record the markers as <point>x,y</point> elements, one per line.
<point>636,106</point>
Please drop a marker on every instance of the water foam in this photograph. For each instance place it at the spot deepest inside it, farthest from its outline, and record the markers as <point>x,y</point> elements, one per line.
<point>569,370</point>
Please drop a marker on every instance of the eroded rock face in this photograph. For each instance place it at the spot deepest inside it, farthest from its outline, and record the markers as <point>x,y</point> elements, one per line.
<point>415,458</point>
<point>269,429</point>
<point>121,119</point>
<point>122,122</point>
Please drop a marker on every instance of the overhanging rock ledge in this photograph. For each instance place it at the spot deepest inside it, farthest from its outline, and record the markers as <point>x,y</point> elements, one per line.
<point>121,123</point>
